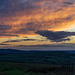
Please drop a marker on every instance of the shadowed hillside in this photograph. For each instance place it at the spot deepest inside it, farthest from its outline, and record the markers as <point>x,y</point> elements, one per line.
<point>16,68</point>
<point>15,62</point>
<point>50,57</point>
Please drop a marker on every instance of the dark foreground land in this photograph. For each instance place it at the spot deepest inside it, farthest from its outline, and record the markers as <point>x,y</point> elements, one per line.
<point>37,63</point>
<point>11,68</point>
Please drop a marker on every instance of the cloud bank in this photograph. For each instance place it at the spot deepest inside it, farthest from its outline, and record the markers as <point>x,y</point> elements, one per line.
<point>58,36</point>
<point>25,17</point>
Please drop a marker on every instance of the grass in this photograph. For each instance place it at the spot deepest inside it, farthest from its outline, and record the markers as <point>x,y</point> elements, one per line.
<point>15,68</point>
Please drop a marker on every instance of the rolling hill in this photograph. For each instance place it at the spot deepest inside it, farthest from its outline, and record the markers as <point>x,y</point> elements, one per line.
<point>48,57</point>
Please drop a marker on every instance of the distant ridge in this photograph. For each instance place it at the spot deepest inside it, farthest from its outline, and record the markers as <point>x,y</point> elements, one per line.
<point>8,51</point>
<point>5,51</point>
<point>33,56</point>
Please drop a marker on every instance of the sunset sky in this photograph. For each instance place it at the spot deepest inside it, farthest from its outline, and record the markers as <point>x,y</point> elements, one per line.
<point>37,24</point>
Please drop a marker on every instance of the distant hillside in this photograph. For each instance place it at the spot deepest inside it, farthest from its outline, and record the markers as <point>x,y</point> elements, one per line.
<point>11,51</point>
<point>71,52</point>
<point>6,51</point>
<point>48,57</point>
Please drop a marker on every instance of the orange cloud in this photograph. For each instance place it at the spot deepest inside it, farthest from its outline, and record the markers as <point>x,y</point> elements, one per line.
<point>25,17</point>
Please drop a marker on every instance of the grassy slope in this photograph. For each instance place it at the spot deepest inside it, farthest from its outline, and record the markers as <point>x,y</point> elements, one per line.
<point>10,68</point>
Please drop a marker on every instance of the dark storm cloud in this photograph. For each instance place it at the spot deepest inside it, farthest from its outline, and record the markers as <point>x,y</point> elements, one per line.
<point>56,36</point>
